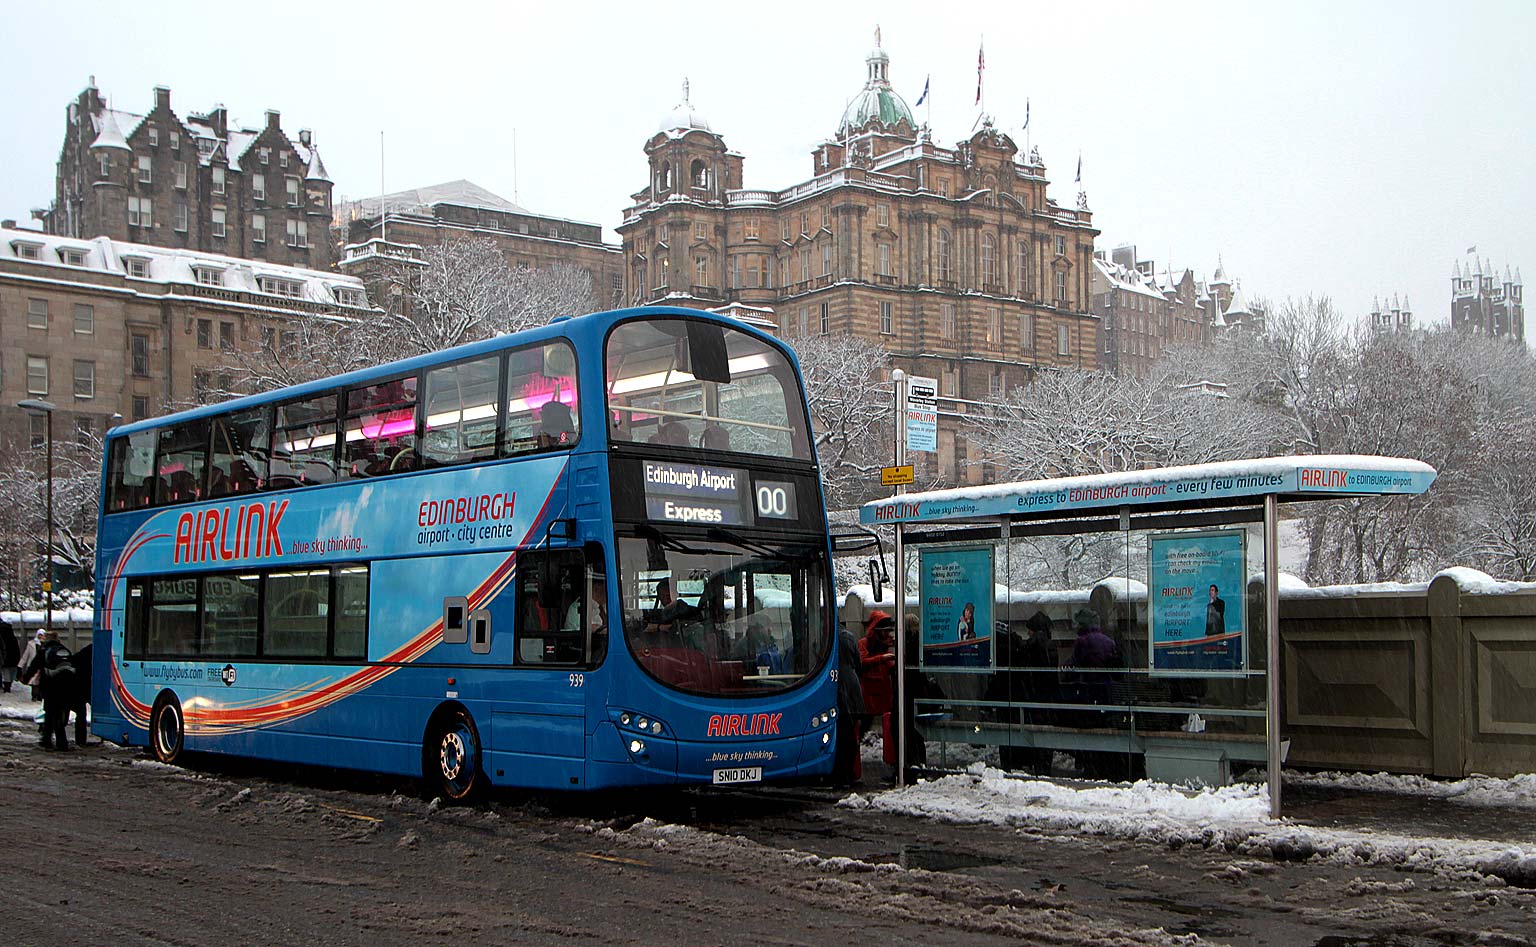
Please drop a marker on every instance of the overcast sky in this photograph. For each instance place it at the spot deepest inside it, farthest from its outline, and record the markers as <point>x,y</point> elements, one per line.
<point>1347,149</point>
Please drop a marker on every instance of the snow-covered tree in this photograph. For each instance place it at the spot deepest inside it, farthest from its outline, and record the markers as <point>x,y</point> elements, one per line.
<point>23,519</point>
<point>847,382</point>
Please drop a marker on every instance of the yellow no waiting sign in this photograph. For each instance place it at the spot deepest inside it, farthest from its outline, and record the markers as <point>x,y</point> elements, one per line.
<point>897,476</point>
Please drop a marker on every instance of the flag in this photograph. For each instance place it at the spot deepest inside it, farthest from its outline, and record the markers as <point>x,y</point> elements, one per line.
<point>1079,169</point>
<point>1026,114</point>
<point>925,91</point>
<point>1472,249</point>
<point>981,63</point>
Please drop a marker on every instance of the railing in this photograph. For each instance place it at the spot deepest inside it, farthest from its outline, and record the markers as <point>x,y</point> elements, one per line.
<point>751,197</point>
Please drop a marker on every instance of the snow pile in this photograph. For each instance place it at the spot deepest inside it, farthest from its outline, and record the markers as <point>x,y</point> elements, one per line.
<point>1232,818</point>
<point>1517,791</point>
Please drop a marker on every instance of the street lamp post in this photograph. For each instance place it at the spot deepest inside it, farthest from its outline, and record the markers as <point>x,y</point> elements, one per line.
<point>34,407</point>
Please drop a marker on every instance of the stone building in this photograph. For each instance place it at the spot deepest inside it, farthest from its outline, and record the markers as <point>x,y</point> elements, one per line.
<point>108,330</point>
<point>193,182</point>
<point>955,259</point>
<point>1484,302</point>
<point>1391,315</point>
<point>377,229</point>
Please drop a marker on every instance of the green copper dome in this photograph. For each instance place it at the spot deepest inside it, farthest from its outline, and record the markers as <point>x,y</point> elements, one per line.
<point>877,103</point>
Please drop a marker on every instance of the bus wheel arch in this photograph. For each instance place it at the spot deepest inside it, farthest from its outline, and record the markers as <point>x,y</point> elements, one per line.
<point>451,755</point>
<point>167,728</point>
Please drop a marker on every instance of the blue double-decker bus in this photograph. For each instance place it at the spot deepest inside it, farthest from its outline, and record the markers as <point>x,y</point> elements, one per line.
<point>588,555</point>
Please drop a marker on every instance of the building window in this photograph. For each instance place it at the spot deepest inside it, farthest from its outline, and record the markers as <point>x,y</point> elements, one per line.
<point>37,375</point>
<point>292,184</point>
<point>887,322</point>
<point>347,296</point>
<point>946,320</point>
<point>218,178</point>
<point>1061,245</point>
<point>175,139</point>
<point>140,212</point>
<point>278,286</point>
<point>154,136</point>
<point>805,223</point>
<point>180,217</point>
<point>701,271</point>
<point>988,260</point>
<point>995,326</point>
<point>85,379</point>
<point>749,228</point>
<point>138,351</point>
<point>826,258</point>
<point>202,383</point>
<point>1021,269</point>
<point>885,259</point>
<point>949,382</point>
<point>85,436</point>
<point>941,250</point>
<point>266,155</point>
<point>226,336</point>
<point>85,319</point>
<point>205,333</point>
<point>259,187</point>
<point>72,257</point>
<point>825,322</point>
<point>298,234</point>
<point>103,166</point>
<point>1026,331</point>
<point>138,267</point>
<point>943,187</point>
<point>146,169</point>
<point>258,228</point>
<point>25,251</point>
<point>700,231</point>
<point>208,276</point>
<point>218,222</point>
<point>735,272</point>
<point>803,328</point>
<point>1063,341</point>
<point>995,385</point>
<point>826,218</point>
<point>784,228</point>
<point>1061,286</point>
<point>39,431</point>
<point>805,265</point>
<point>282,158</point>
<point>140,407</point>
<point>784,271</point>
<point>882,215</point>
<point>37,314</point>
<point>180,168</point>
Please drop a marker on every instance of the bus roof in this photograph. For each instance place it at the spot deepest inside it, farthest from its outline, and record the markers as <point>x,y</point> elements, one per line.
<point>1302,477</point>
<point>556,328</point>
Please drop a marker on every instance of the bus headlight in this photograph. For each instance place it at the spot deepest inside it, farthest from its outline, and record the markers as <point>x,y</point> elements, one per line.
<point>643,724</point>
<point>656,726</point>
<point>624,719</point>
<point>637,747</point>
<point>826,738</point>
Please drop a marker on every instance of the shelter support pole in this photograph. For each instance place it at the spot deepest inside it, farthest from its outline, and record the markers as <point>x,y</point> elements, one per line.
<point>1272,649</point>
<point>899,586</point>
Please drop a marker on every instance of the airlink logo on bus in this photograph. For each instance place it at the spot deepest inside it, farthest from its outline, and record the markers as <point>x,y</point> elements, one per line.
<point>743,725</point>
<point>214,535</point>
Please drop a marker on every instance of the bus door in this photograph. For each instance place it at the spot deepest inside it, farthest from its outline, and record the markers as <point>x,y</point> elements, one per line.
<point>559,634</point>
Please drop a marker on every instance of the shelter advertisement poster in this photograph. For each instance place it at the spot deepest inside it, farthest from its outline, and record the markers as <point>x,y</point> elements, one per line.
<point>1197,601</point>
<point>957,589</point>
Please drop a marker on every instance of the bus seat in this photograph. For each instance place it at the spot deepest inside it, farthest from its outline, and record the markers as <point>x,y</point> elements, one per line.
<point>715,437</point>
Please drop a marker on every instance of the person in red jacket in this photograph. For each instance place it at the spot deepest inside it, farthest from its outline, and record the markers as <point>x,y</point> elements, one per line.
<point>877,660</point>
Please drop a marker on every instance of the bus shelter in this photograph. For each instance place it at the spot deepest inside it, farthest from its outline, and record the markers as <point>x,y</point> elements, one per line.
<point>1161,665</point>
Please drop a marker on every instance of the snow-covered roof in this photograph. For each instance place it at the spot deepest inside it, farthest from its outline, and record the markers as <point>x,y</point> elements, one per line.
<point>1317,477</point>
<point>316,170</point>
<point>109,133</point>
<point>172,266</point>
<point>462,192</point>
<point>1127,279</point>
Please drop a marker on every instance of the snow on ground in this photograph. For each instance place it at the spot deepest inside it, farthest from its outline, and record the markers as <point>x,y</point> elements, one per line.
<point>1517,791</point>
<point>1234,818</point>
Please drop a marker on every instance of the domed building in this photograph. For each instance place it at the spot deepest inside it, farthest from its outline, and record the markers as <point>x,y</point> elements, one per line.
<point>955,259</point>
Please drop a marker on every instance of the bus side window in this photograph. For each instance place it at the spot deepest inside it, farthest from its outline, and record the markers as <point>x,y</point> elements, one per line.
<point>550,607</point>
<point>542,411</point>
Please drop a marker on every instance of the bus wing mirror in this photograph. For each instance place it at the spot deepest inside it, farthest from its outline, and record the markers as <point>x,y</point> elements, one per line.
<point>855,542</point>
<point>877,578</point>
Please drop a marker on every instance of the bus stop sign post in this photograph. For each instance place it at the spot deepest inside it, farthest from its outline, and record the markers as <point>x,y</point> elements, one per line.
<point>898,712</point>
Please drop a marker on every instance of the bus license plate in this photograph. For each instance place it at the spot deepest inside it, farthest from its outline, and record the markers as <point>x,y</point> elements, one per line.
<point>742,774</point>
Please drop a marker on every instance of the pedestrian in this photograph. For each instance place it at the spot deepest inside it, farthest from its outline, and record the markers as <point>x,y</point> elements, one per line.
<point>55,673</point>
<point>27,654</point>
<point>10,656</point>
<point>847,768</point>
<point>916,686</point>
<point>876,662</point>
<point>81,694</point>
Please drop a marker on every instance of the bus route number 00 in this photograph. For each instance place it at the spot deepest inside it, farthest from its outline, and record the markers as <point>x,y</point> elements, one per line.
<point>776,501</point>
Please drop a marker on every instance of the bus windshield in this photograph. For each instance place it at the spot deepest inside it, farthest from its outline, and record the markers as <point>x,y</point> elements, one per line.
<point>681,382</point>
<point>723,617</point>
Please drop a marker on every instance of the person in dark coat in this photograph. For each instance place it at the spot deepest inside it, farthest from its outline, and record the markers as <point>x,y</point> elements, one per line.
<point>82,693</point>
<point>10,656</point>
<point>55,675</point>
<point>846,767</point>
<point>916,686</point>
<point>1215,615</point>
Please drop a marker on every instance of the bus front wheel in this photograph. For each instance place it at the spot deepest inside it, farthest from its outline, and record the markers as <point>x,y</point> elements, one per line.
<point>451,758</point>
<point>167,731</point>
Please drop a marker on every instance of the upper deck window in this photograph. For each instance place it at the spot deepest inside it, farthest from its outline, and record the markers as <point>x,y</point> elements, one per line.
<point>678,382</point>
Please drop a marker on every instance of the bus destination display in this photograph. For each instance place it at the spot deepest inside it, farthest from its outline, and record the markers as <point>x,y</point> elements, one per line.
<point>713,496</point>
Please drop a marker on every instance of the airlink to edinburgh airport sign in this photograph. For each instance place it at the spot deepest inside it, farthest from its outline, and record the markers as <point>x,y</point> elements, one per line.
<point>1297,476</point>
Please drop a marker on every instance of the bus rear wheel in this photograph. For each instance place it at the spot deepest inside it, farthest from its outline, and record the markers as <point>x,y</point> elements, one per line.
<point>451,758</point>
<point>167,731</point>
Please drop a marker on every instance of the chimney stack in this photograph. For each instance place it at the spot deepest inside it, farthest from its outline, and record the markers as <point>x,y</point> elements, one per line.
<point>219,120</point>
<point>162,97</point>
<point>273,117</point>
<point>305,137</point>
<point>8,224</point>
